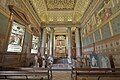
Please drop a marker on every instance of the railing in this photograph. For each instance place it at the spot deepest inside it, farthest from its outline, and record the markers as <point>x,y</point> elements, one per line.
<point>95,72</point>
<point>25,73</point>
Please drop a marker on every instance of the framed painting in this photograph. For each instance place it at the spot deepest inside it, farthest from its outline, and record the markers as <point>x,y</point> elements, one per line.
<point>35,41</point>
<point>94,60</point>
<point>104,61</point>
<point>16,38</point>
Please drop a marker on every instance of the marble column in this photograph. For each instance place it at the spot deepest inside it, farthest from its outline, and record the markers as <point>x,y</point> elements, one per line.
<point>43,47</point>
<point>51,46</point>
<point>48,47</point>
<point>51,41</point>
<point>40,42</point>
<point>42,50</point>
<point>77,39</point>
<point>81,55</point>
<point>69,46</point>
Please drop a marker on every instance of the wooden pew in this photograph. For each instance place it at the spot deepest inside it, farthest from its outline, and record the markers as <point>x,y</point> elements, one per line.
<point>95,72</point>
<point>25,72</point>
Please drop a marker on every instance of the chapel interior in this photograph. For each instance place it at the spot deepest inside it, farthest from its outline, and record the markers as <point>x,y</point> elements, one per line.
<point>60,39</point>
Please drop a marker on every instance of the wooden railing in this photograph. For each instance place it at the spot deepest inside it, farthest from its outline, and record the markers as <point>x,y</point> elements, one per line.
<point>95,72</point>
<point>25,73</point>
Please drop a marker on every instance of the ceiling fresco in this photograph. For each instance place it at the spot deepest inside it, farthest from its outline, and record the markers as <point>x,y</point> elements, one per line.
<point>60,11</point>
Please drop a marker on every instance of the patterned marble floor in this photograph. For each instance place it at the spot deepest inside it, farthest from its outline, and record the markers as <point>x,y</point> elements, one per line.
<point>61,75</point>
<point>66,75</point>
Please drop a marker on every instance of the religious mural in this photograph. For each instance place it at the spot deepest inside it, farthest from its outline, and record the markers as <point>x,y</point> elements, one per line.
<point>94,60</point>
<point>16,38</point>
<point>34,44</point>
<point>104,61</point>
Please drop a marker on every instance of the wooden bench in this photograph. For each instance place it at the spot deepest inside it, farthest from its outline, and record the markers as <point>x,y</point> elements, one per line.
<point>25,72</point>
<point>95,72</point>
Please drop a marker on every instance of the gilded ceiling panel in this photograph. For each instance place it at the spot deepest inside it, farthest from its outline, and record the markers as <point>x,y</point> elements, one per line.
<point>60,4</point>
<point>60,11</point>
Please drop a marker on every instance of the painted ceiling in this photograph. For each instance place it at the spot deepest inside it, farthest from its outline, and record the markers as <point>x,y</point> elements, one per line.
<point>60,11</point>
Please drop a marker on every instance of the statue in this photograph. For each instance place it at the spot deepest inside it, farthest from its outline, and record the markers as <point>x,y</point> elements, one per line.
<point>94,62</point>
<point>36,62</point>
<point>50,60</point>
<point>43,62</point>
<point>69,60</point>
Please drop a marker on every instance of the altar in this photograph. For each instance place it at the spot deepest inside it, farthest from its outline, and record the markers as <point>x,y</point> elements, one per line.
<point>61,67</point>
<point>60,46</point>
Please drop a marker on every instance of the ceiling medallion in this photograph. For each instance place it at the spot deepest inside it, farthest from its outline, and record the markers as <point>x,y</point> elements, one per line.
<point>54,5</point>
